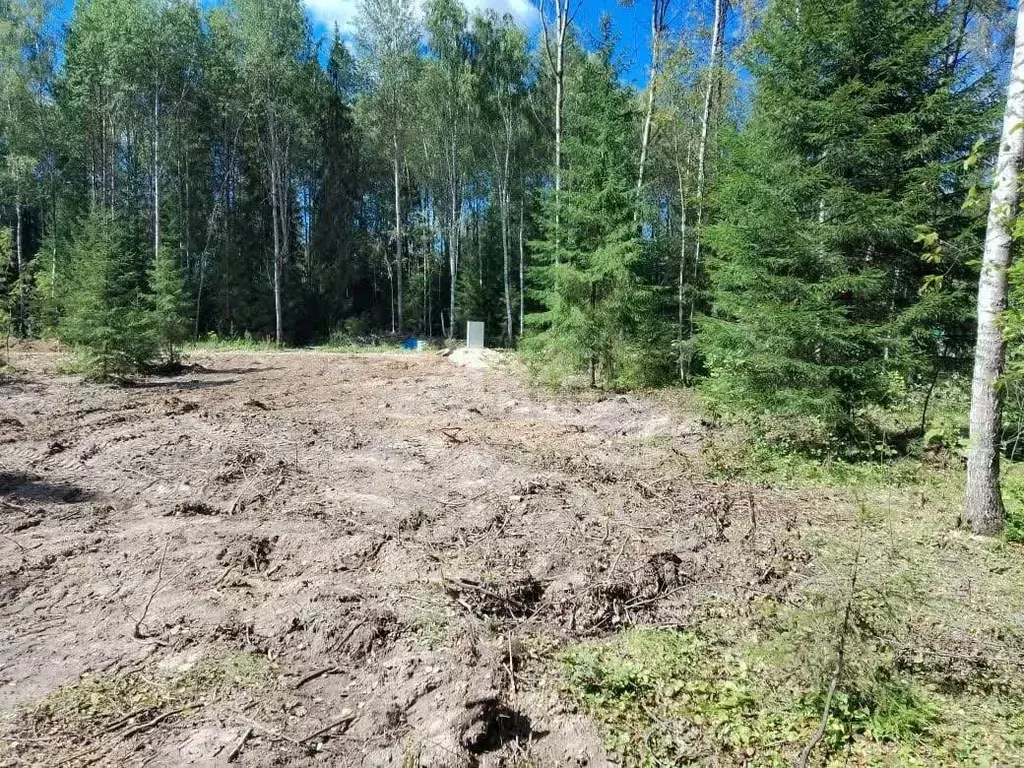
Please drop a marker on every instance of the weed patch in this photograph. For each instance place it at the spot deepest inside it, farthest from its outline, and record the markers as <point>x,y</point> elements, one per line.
<point>99,705</point>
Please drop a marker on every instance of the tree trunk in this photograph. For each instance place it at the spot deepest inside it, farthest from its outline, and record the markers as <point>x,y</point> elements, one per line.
<point>658,11</point>
<point>453,260</point>
<point>717,33</point>
<point>53,239</point>
<point>505,203</point>
<point>522,252</point>
<point>681,330</point>
<point>398,236</point>
<point>984,504</point>
<point>558,138</point>
<point>276,220</point>
<point>557,60</point>
<point>19,254</point>
<point>156,176</point>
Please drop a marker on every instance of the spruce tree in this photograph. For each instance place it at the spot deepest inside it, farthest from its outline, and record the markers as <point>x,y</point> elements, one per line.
<point>587,278</point>
<point>856,140</point>
<point>168,306</point>
<point>108,322</point>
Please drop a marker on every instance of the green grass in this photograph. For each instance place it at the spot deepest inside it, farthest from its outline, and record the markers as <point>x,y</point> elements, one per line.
<point>214,343</point>
<point>669,698</point>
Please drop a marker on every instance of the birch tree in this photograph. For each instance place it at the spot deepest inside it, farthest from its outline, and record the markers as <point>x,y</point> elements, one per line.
<point>659,10</point>
<point>388,42</point>
<point>273,39</point>
<point>984,506</point>
<point>717,41</point>
<point>502,87</point>
<point>556,17</point>
<point>24,75</point>
<point>448,83</point>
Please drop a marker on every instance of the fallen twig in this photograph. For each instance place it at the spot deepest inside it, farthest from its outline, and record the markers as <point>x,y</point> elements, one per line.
<point>268,731</point>
<point>447,432</point>
<point>136,729</point>
<point>248,484</point>
<point>332,670</point>
<point>126,719</point>
<point>137,631</point>
<point>840,659</point>
<point>345,720</point>
<point>234,753</point>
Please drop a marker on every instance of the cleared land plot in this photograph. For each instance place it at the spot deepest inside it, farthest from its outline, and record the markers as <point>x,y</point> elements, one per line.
<point>300,557</point>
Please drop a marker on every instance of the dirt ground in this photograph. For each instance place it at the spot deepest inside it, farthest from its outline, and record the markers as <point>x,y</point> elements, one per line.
<point>305,558</point>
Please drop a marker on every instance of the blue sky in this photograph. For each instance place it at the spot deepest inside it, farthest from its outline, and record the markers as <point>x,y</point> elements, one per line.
<point>632,24</point>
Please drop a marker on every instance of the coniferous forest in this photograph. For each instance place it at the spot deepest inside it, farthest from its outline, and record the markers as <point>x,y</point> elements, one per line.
<point>788,211</point>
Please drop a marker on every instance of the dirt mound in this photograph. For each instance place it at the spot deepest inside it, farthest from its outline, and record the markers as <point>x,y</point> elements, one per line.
<point>479,359</point>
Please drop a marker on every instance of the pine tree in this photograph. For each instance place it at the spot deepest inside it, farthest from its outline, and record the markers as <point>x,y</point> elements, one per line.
<point>587,278</point>
<point>857,136</point>
<point>107,322</point>
<point>168,305</point>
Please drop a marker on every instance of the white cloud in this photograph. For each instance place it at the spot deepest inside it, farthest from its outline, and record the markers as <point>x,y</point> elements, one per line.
<point>330,12</point>
<point>522,11</point>
<point>345,13</point>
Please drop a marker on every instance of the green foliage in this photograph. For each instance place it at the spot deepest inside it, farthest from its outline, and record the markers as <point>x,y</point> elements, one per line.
<point>168,305</point>
<point>108,322</point>
<point>854,142</point>
<point>244,343</point>
<point>1013,498</point>
<point>48,299</point>
<point>675,697</point>
<point>1013,377</point>
<point>596,309</point>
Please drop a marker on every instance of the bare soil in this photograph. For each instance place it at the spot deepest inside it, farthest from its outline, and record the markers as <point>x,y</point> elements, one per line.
<point>406,543</point>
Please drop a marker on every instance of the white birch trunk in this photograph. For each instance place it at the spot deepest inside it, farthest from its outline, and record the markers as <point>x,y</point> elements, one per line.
<point>658,11</point>
<point>556,58</point>
<point>505,244</point>
<point>453,260</point>
<point>684,178</point>
<point>717,31</point>
<point>522,259</point>
<point>984,504</point>
<point>275,205</point>
<point>22,303</point>
<point>398,236</point>
<point>559,100</point>
<point>156,176</point>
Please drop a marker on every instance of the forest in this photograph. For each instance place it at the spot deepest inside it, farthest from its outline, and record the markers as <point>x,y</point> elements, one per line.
<point>789,212</point>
